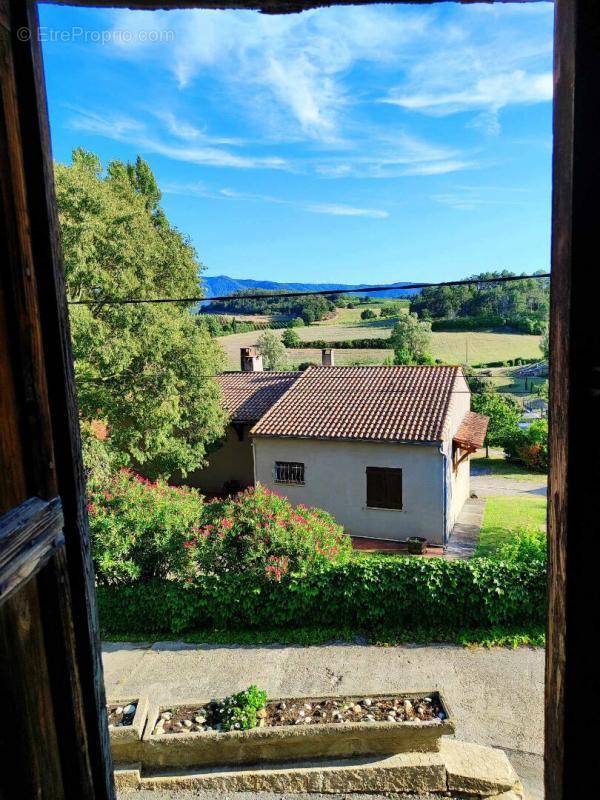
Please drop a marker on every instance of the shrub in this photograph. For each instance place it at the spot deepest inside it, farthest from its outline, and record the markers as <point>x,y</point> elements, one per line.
<point>361,593</point>
<point>290,338</point>
<point>526,547</point>
<point>368,313</point>
<point>138,528</point>
<point>258,532</point>
<point>529,446</point>
<point>238,711</point>
<point>295,322</point>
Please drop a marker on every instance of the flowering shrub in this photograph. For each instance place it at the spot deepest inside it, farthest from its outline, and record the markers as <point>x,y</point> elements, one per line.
<point>529,446</point>
<point>259,532</point>
<point>139,529</point>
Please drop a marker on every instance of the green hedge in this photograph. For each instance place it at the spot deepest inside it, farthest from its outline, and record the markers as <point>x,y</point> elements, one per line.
<point>345,344</point>
<point>364,594</point>
<point>531,325</point>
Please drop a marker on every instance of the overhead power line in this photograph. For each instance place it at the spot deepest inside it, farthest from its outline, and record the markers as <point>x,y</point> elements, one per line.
<point>308,293</point>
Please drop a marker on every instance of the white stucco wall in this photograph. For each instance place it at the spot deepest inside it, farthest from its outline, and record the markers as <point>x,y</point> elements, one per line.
<point>458,481</point>
<point>335,479</point>
<point>231,462</point>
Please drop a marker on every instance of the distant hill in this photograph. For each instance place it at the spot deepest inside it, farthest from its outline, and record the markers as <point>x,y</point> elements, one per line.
<point>223,286</point>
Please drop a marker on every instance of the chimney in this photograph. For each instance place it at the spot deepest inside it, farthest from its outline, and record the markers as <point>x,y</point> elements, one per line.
<point>327,358</point>
<point>251,361</point>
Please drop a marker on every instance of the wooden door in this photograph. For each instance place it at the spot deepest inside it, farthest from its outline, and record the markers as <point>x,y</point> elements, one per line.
<point>53,735</point>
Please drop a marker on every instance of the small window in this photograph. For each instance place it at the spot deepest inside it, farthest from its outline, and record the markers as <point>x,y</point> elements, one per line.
<point>384,487</point>
<point>289,472</point>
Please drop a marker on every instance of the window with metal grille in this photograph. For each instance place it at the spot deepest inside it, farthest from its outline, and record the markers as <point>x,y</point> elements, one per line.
<point>384,487</point>
<point>289,472</point>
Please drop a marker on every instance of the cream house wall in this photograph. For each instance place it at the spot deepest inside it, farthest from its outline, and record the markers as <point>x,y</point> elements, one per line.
<point>335,479</point>
<point>458,481</point>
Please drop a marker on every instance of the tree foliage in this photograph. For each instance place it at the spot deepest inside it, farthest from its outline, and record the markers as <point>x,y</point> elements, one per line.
<point>272,350</point>
<point>411,340</point>
<point>141,369</point>
<point>290,338</point>
<point>528,298</point>
<point>309,308</point>
<point>504,413</point>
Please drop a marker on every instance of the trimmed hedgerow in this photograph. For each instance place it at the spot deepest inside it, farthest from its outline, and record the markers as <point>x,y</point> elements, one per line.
<point>363,594</point>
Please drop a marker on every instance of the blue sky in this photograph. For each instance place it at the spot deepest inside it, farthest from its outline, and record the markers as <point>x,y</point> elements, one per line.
<point>357,144</point>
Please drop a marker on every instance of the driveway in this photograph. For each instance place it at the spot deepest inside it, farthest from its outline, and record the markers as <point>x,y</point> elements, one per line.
<point>489,485</point>
<point>495,695</point>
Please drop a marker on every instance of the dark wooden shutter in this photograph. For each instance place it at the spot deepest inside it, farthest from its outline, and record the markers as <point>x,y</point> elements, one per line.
<point>384,487</point>
<point>393,484</point>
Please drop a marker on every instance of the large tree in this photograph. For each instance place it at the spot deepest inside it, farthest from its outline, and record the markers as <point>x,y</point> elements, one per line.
<point>140,369</point>
<point>411,340</point>
<point>504,413</point>
<point>272,350</point>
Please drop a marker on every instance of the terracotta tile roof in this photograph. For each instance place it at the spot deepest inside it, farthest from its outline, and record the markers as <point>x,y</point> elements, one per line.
<point>472,430</point>
<point>379,403</point>
<point>248,395</point>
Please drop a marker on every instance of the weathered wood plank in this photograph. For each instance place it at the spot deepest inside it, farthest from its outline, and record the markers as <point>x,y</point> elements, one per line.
<point>266,6</point>
<point>30,748</point>
<point>53,319</point>
<point>30,534</point>
<point>574,522</point>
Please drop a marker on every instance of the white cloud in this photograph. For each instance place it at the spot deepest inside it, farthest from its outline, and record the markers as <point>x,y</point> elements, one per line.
<point>288,69</point>
<point>493,92</point>
<point>471,198</point>
<point>135,132</point>
<point>331,209</point>
<point>483,64</point>
<point>346,211</point>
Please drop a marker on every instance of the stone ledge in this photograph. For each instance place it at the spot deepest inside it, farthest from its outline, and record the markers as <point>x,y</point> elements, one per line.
<point>479,770</point>
<point>460,768</point>
<point>404,772</point>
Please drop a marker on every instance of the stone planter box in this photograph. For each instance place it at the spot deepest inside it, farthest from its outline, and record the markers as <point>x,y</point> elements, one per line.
<point>125,742</point>
<point>291,742</point>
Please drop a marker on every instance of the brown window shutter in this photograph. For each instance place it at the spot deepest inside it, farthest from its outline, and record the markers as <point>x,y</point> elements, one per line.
<point>393,488</point>
<point>384,487</point>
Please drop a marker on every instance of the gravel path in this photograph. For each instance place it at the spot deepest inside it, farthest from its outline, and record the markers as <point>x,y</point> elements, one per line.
<point>490,485</point>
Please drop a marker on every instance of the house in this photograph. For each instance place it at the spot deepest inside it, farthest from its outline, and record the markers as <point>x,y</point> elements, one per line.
<point>385,449</point>
<point>246,396</point>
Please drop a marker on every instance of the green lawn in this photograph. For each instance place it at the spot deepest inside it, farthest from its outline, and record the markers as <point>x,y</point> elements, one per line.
<point>507,514</point>
<point>498,465</point>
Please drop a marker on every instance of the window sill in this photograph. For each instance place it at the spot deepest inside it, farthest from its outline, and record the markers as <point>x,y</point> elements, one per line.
<point>377,508</point>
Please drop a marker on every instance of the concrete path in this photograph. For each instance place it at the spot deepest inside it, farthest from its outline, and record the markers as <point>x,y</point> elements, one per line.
<point>495,696</point>
<point>465,534</point>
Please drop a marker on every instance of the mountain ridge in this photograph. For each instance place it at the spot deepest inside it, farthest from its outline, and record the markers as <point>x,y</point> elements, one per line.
<point>224,285</point>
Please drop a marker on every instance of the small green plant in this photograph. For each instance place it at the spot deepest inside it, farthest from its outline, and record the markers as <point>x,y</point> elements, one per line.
<point>238,712</point>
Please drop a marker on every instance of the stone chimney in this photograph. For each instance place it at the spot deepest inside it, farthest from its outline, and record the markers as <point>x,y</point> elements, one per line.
<point>328,358</point>
<point>251,360</point>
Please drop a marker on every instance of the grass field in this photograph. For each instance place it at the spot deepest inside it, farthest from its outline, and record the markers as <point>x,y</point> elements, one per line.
<point>451,347</point>
<point>496,464</point>
<point>507,514</point>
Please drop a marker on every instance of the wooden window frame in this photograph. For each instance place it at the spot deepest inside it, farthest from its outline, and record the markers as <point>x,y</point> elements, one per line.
<point>384,472</point>
<point>573,519</point>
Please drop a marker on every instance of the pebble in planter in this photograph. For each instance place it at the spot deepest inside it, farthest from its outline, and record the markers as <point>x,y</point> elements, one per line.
<point>126,723</point>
